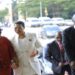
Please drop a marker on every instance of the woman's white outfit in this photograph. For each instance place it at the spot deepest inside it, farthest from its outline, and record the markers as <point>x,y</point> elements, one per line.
<point>23,48</point>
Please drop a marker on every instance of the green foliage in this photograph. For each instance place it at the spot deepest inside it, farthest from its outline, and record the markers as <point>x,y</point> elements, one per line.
<point>29,8</point>
<point>32,6</point>
<point>3,13</point>
<point>64,8</point>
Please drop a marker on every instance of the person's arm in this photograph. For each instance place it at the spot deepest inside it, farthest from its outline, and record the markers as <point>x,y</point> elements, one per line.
<point>66,43</point>
<point>47,54</point>
<point>13,56</point>
<point>36,47</point>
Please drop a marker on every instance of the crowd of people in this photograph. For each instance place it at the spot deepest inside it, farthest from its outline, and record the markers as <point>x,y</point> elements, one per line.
<point>19,55</point>
<point>61,52</point>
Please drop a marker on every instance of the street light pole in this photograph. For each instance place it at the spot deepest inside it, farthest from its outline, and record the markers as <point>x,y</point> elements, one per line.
<point>46,12</point>
<point>40,9</point>
<point>9,6</point>
<point>14,10</point>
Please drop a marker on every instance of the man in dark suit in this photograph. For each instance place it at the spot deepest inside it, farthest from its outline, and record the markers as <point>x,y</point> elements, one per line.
<point>69,44</point>
<point>54,53</point>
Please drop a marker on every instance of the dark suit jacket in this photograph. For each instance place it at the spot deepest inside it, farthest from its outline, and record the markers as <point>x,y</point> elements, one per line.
<point>68,39</point>
<point>52,54</point>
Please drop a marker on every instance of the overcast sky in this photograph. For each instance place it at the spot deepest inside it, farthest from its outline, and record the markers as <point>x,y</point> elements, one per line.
<point>4,3</point>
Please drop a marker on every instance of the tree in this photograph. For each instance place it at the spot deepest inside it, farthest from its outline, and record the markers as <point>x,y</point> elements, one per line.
<point>63,8</point>
<point>3,13</point>
<point>31,7</point>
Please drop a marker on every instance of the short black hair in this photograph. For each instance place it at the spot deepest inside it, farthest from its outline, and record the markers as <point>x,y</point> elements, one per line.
<point>20,23</point>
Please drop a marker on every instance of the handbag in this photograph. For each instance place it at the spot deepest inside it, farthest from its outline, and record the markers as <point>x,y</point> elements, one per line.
<point>56,68</point>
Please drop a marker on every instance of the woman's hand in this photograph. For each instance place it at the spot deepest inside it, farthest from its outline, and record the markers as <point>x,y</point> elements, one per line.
<point>14,66</point>
<point>33,53</point>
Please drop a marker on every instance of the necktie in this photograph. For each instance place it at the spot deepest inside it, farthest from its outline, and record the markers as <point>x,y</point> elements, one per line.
<point>61,47</point>
<point>61,51</point>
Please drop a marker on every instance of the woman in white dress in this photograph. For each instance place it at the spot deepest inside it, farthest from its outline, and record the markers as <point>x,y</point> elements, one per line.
<point>25,46</point>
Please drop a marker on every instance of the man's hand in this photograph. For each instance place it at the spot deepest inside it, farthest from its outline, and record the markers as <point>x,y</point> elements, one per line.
<point>66,63</point>
<point>72,64</point>
<point>61,64</point>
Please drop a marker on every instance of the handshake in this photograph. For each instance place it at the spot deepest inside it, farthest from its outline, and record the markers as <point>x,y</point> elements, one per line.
<point>72,64</point>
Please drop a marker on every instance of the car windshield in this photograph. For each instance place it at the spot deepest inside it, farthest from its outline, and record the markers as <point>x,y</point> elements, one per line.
<point>50,29</point>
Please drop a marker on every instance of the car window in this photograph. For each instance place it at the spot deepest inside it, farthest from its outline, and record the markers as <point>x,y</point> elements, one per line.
<point>46,19</point>
<point>35,20</point>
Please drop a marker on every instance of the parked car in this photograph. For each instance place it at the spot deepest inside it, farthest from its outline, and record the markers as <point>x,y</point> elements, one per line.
<point>47,34</point>
<point>1,24</point>
<point>57,20</point>
<point>49,31</point>
<point>68,22</point>
<point>44,20</point>
<point>32,22</point>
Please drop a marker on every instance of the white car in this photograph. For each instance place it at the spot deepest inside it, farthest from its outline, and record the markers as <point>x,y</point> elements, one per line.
<point>68,22</point>
<point>44,20</point>
<point>32,22</point>
<point>49,31</point>
<point>1,24</point>
<point>57,20</point>
<point>47,34</point>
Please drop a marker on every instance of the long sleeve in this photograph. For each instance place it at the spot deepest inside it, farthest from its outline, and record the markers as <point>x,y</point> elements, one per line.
<point>12,53</point>
<point>36,43</point>
<point>68,42</point>
<point>65,41</point>
<point>38,46</point>
<point>47,54</point>
<point>11,50</point>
